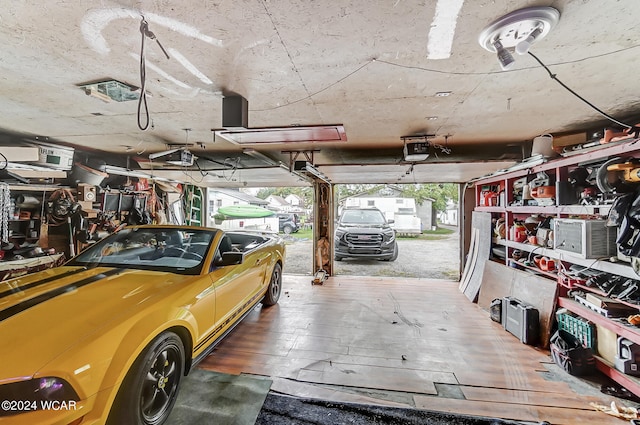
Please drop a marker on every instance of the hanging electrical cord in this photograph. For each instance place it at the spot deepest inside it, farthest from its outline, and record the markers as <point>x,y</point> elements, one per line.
<point>4,163</point>
<point>631,128</point>
<point>142,101</point>
<point>5,211</point>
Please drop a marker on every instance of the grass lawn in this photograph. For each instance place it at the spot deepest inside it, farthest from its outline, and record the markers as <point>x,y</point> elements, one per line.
<point>431,235</point>
<point>301,234</point>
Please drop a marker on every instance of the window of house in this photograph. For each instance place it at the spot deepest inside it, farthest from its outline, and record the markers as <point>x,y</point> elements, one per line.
<point>371,203</point>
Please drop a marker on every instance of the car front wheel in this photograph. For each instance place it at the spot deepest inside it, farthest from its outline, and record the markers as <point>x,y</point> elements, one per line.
<point>287,229</point>
<point>275,287</point>
<point>150,389</point>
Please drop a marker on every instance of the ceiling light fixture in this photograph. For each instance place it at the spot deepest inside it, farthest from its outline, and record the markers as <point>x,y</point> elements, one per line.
<point>517,31</point>
<point>504,56</point>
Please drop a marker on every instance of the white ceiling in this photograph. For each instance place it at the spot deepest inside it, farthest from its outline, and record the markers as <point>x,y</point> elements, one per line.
<point>358,63</point>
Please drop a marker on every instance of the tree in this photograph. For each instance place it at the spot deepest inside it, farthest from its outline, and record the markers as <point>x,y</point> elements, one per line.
<point>441,193</point>
<point>306,193</point>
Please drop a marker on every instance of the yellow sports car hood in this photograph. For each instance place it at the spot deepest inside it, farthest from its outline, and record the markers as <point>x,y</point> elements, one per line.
<point>45,314</point>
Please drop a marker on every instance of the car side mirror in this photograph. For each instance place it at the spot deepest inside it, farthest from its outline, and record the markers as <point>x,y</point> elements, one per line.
<point>230,259</point>
<point>390,221</point>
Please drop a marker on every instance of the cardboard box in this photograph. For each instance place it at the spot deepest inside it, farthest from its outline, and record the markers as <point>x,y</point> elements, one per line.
<point>569,139</point>
<point>86,205</point>
<point>607,343</point>
<point>613,307</point>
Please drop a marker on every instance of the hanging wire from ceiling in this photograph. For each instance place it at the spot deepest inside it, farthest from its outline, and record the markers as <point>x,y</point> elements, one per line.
<point>553,76</point>
<point>142,100</point>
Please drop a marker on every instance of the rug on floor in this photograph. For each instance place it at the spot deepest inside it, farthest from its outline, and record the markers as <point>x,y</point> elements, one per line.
<point>217,398</point>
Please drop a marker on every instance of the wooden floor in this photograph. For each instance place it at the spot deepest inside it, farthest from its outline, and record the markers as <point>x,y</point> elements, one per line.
<point>402,342</point>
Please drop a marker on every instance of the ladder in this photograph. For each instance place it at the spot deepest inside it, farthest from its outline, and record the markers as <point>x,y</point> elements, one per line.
<point>193,205</point>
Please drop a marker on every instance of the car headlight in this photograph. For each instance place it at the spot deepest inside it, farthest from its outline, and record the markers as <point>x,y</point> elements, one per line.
<point>340,234</point>
<point>38,391</point>
<point>389,235</point>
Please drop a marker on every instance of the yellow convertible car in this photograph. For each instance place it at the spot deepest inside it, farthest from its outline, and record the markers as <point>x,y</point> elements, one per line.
<point>107,337</point>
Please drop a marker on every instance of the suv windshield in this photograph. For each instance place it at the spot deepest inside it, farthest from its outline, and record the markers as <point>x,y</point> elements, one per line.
<point>362,217</point>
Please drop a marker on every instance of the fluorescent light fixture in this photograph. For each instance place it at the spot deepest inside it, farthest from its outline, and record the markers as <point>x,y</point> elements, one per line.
<point>301,134</point>
<point>443,28</point>
<point>120,171</point>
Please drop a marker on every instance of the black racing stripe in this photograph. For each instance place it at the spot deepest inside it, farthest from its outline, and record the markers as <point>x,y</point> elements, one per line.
<point>40,282</point>
<point>226,322</point>
<point>19,308</point>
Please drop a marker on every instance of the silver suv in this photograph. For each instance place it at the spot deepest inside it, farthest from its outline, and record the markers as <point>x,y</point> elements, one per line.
<point>365,233</point>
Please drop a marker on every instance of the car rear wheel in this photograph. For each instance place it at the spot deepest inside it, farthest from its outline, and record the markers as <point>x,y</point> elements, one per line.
<point>287,229</point>
<point>150,389</point>
<point>275,287</point>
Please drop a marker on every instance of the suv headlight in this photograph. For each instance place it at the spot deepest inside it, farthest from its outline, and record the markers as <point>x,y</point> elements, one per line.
<point>389,235</point>
<point>38,391</point>
<point>340,233</point>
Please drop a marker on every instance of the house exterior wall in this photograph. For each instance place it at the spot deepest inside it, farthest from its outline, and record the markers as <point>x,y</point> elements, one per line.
<point>294,200</point>
<point>277,203</point>
<point>427,215</point>
<point>217,199</point>
<point>402,211</point>
<point>389,206</point>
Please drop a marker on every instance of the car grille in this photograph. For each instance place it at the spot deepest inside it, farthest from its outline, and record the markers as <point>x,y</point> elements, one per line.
<point>364,239</point>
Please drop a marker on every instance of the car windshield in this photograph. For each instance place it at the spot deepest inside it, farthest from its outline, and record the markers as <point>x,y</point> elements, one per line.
<point>177,250</point>
<point>362,217</point>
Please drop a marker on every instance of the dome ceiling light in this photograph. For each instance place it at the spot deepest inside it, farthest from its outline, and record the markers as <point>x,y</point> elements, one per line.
<point>517,31</point>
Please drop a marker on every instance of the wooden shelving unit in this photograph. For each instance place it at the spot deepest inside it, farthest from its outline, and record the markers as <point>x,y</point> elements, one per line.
<point>508,209</point>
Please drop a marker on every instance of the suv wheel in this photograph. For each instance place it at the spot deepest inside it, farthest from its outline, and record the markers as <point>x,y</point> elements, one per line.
<point>394,257</point>
<point>395,253</point>
<point>287,229</point>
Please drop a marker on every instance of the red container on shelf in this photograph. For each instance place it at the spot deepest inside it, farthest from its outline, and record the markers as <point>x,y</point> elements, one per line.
<point>518,233</point>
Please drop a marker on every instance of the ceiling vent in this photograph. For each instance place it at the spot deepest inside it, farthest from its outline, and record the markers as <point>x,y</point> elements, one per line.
<point>111,91</point>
